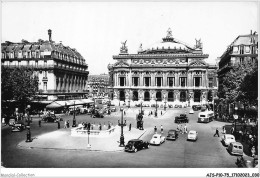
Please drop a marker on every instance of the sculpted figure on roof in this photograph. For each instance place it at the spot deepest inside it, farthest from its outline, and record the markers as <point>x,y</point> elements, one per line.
<point>123,48</point>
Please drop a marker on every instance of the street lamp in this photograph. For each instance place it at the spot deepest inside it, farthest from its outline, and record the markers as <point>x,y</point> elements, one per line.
<point>235,117</point>
<point>155,114</point>
<point>28,134</point>
<point>141,107</point>
<point>122,142</point>
<point>28,114</point>
<point>89,146</point>
<point>74,117</point>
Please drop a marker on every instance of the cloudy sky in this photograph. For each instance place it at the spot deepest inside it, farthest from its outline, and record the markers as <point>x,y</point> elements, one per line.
<point>96,29</point>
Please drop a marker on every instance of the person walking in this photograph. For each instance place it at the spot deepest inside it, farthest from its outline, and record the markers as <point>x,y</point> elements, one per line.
<point>181,131</point>
<point>130,125</point>
<point>161,129</point>
<point>232,130</point>
<point>161,112</point>
<point>155,129</point>
<point>217,132</point>
<point>58,124</point>
<point>68,124</point>
<point>185,129</point>
<point>40,122</point>
<point>178,127</point>
<point>253,151</point>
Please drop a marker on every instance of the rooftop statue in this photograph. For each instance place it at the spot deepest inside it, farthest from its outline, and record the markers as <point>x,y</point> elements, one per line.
<point>198,43</point>
<point>123,48</point>
<point>169,33</point>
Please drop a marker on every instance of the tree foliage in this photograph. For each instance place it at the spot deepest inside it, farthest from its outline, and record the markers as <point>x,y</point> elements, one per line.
<point>240,84</point>
<point>18,84</point>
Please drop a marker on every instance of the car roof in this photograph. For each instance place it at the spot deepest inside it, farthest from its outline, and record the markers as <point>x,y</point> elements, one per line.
<point>236,143</point>
<point>135,140</point>
<point>172,130</point>
<point>157,135</point>
<point>192,131</point>
<point>229,135</point>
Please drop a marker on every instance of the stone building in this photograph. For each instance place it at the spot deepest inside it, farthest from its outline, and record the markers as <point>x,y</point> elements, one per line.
<point>98,85</point>
<point>61,70</point>
<point>170,72</point>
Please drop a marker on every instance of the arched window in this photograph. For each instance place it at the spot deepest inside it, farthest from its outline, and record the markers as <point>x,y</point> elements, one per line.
<point>147,96</point>
<point>135,96</point>
<point>182,96</point>
<point>159,96</point>
<point>122,96</point>
<point>170,96</point>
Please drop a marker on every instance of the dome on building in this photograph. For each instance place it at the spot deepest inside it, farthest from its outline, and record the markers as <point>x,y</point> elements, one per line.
<point>168,45</point>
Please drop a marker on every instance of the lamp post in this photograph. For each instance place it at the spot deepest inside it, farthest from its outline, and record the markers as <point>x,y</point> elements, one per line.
<point>89,146</point>
<point>28,134</point>
<point>141,107</point>
<point>28,114</point>
<point>122,124</point>
<point>155,114</point>
<point>74,117</point>
<point>235,117</point>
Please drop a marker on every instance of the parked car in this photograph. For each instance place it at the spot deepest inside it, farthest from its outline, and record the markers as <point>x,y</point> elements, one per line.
<point>170,106</point>
<point>136,144</point>
<point>99,114</point>
<point>181,119</point>
<point>227,139</point>
<point>157,139</point>
<point>18,127</point>
<point>172,135</point>
<point>191,111</point>
<point>176,106</point>
<point>192,135</point>
<point>49,118</point>
<point>247,162</point>
<point>12,121</point>
<point>196,107</point>
<point>235,148</point>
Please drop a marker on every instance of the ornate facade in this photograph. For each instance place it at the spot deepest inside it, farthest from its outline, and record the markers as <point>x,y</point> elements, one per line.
<point>61,70</point>
<point>170,72</point>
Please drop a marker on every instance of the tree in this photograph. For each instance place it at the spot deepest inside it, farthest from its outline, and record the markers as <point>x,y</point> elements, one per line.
<point>19,84</point>
<point>240,84</point>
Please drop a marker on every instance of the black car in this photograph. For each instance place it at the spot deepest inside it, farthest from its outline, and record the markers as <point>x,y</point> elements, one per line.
<point>196,107</point>
<point>136,144</point>
<point>181,119</point>
<point>49,118</point>
<point>172,135</point>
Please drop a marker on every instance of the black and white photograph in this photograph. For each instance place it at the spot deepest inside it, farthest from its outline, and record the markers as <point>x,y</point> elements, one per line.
<point>126,88</point>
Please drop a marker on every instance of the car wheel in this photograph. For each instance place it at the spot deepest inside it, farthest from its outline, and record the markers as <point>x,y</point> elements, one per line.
<point>148,146</point>
<point>135,150</point>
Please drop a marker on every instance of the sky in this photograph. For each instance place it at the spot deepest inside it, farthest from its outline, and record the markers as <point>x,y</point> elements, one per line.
<point>96,29</point>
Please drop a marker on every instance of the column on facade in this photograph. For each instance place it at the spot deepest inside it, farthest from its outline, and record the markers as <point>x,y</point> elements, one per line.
<point>152,79</point>
<point>164,79</point>
<point>176,79</point>
<point>129,79</point>
<point>141,79</point>
<point>200,81</point>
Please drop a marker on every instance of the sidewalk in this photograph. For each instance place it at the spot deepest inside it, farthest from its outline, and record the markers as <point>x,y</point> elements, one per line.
<point>61,139</point>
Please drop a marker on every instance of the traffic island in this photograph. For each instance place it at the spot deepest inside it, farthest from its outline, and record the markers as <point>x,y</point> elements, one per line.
<point>62,140</point>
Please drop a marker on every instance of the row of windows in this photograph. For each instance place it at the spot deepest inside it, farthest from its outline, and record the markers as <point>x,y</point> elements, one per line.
<point>38,54</point>
<point>159,81</point>
<point>243,49</point>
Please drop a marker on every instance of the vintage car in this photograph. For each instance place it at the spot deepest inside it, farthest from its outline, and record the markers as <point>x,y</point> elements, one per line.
<point>181,119</point>
<point>247,162</point>
<point>18,127</point>
<point>98,113</point>
<point>157,139</point>
<point>227,139</point>
<point>11,122</point>
<point>49,118</point>
<point>172,135</point>
<point>136,144</point>
<point>196,107</point>
<point>192,135</point>
<point>235,148</point>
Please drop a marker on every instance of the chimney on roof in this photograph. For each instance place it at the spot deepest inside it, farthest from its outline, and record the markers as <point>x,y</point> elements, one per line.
<point>49,33</point>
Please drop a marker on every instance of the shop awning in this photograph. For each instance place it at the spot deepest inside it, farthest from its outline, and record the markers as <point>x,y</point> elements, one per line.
<point>54,105</point>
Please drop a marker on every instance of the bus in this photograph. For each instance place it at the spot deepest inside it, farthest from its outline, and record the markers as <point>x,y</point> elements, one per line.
<point>206,116</point>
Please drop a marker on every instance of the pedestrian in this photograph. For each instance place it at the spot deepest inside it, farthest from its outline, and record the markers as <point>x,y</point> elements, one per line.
<point>155,129</point>
<point>178,127</point>
<point>58,124</point>
<point>185,129</point>
<point>130,125</point>
<point>217,132</point>
<point>224,130</point>
<point>92,127</point>
<point>161,112</point>
<point>151,112</point>
<point>181,131</point>
<point>100,127</point>
<point>253,151</point>
<point>68,124</point>
<point>232,130</point>
<point>161,129</point>
<point>124,113</point>
<point>65,124</point>
<point>40,122</point>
